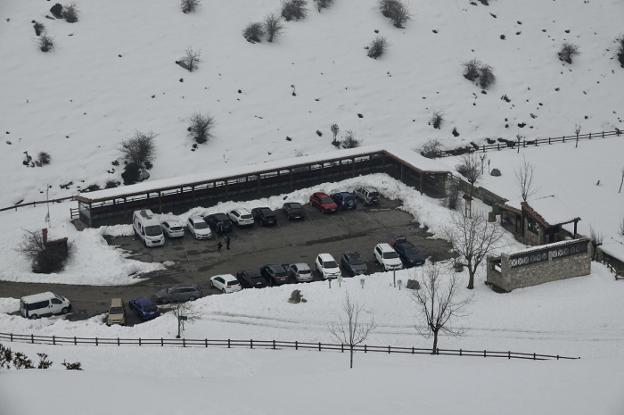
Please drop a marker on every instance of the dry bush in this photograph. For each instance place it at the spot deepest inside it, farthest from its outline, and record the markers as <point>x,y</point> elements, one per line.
<point>190,61</point>
<point>43,159</point>
<point>44,259</point>
<point>431,149</point>
<point>620,51</point>
<point>377,47</point>
<point>46,44</point>
<point>567,52</point>
<point>436,120</point>
<point>39,28</point>
<point>253,33</point>
<point>70,13</point>
<point>471,70</point>
<point>273,27</point>
<point>395,11</point>
<point>486,76</point>
<point>139,149</point>
<point>323,4</point>
<point>350,141</point>
<point>189,6</point>
<point>294,10</point>
<point>57,10</point>
<point>201,127</point>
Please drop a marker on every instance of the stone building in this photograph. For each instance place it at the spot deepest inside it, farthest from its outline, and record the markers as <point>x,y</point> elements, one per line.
<point>551,262</point>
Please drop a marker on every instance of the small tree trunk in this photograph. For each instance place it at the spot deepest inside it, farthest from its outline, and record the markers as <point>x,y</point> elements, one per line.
<point>435,342</point>
<point>471,274</point>
<point>621,181</point>
<point>351,357</point>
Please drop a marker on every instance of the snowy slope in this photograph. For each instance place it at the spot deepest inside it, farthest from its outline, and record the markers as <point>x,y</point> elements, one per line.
<point>113,73</point>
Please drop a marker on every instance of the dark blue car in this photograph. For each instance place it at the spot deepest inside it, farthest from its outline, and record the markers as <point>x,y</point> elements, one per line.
<point>344,200</point>
<point>145,308</point>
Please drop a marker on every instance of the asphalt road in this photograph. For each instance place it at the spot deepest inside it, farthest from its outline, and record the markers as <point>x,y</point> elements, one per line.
<point>289,242</point>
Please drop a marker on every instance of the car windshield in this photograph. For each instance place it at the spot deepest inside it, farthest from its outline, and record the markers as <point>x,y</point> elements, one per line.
<point>153,230</point>
<point>355,260</point>
<point>373,194</point>
<point>246,216</point>
<point>116,310</point>
<point>200,225</point>
<point>176,228</point>
<point>326,200</point>
<point>149,307</point>
<point>330,264</point>
<point>232,283</point>
<point>390,255</point>
<point>304,271</point>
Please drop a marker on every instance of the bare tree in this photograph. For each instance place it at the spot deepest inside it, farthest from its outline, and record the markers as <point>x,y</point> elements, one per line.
<point>596,241</point>
<point>189,6</point>
<point>469,168</point>
<point>349,329</point>
<point>183,313</point>
<point>201,127</point>
<point>621,181</point>
<point>335,129</point>
<point>622,227</point>
<point>273,27</point>
<point>190,61</point>
<point>473,238</point>
<point>439,305</point>
<point>139,149</point>
<point>567,52</point>
<point>323,4</point>
<point>524,178</point>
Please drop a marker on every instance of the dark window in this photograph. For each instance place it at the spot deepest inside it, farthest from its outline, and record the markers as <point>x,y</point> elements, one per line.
<point>56,301</point>
<point>37,305</point>
<point>532,226</point>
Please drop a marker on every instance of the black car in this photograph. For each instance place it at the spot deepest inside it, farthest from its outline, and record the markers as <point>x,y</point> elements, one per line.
<point>251,279</point>
<point>409,254</point>
<point>353,264</point>
<point>293,210</point>
<point>264,216</point>
<point>276,274</point>
<point>344,200</point>
<point>219,223</point>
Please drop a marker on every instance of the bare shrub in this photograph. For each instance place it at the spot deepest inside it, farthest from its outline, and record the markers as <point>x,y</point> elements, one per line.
<point>567,52</point>
<point>471,70</point>
<point>436,120</point>
<point>201,127</point>
<point>57,10</point>
<point>350,330</point>
<point>323,4</point>
<point>44,362</point>
<point>273,27</point>
<point>72,366</point>
<point>395,11</point>
<point>70,13</point>
<point>6,357</point>
<point>469,168</point>
<point>39,28</point>
<point>21,361</point>
<point>377,47</point>
<point>253,33</point>
<point>43,159</point>
<point>350,141</point>
<point>335,130</point>
<point>486,76</point>
<point>294,10</point>
<point>44,259</point>
<point>431,149</point>
<point>190,61</point>
<point>189,6</point>
<point>46,44</point>
<point>620,51</point>
<point>139,149</point>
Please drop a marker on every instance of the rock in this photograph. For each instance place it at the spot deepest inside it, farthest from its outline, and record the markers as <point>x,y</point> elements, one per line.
<point>57,10</point>
<point>319,133</point>
<point>496,173</point>
<point>412,285</point>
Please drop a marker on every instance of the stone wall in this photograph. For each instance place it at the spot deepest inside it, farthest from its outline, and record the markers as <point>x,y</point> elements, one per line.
<point>544,264</point>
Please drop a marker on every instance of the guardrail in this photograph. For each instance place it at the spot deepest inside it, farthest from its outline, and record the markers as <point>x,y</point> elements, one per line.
<point>269,344</point>
<point>35,203</point>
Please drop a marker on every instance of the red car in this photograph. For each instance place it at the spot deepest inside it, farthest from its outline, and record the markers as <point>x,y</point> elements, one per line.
<point>323,202</point>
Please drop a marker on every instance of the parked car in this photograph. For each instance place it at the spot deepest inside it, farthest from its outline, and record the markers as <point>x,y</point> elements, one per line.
<point>251,279</point>
<point>219,223</point>
<point>367,196</point>
<point>300,272</point>
<point>116,313</point>
<point>326,265</point>
<point>387,257</point>
<point>226,283</point>
<point>177,294</point>
<point>323,202</point>
<point>147,228</point>
<point>241,217</point>
<point>276,274</point>
<point>264,216</point>
<point>344,200</point>
<point>173,229</point>
<point>44,304</point>
<point>145,308</point>
<point>353,264</point>
<point>409,254</point>
<point>293,210</point>
<point>198,227</point>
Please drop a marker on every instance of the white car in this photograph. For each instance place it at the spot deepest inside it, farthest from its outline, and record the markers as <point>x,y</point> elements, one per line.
<point>172,228</point>
<point>327,266</point>
<point>198,227</point>
<point>227,283</point>
<point>241,217</point>
<point>387,257</point>
<point>43,305</point>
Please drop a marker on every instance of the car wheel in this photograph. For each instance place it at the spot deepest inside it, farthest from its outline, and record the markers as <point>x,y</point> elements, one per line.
<point>33,317</point>
<point>192,298</point>
<point>65,310</point>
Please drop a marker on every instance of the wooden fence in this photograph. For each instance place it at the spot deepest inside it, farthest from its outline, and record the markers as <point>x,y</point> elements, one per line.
<point>269,344</point>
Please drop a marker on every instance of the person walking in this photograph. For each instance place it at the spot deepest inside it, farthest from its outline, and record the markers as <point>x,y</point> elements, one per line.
<point>219,246</point>
<point>227,242</point>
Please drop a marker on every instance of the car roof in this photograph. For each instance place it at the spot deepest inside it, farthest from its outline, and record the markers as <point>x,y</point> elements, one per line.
<point>326,257</point>
<point>241,210</point>
<point>143,301</point>
<point>262,208</point>
<point>251,272</point>
<point>196,218</point>
<point>226,277</point>
<point>275,267</point>
<point>301,265</point>
<point>292,204</point>
<point>34,298</point>
<point>116,302</point>
<point>344,194</point>
<point>218,215</point>
<point>174,222</point>
<point>319,194</point>
<point>353,255</point>
<point>184,285</point>
<point>385,247</point>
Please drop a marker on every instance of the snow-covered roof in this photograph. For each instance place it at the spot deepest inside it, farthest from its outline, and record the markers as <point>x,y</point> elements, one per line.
<point>408,156</point>
<point>552,209</point>
<point>35,298</point>
<point>549,246</point>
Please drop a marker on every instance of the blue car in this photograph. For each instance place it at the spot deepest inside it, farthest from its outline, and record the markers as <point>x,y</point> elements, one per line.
<point>144,308</point>
<point>344,200</point>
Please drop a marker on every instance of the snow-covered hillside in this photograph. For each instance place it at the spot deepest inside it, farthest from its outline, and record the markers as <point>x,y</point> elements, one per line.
<point>113,73</point>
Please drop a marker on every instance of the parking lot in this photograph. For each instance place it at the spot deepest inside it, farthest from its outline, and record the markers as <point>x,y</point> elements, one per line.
<point>195,261</point>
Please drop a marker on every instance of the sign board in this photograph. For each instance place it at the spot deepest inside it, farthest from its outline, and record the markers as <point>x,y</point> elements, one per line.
<point>557,251</point>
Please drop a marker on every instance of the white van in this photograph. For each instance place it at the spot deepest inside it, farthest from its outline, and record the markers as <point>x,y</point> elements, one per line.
<point>147,228</point>
<point>44,304</point>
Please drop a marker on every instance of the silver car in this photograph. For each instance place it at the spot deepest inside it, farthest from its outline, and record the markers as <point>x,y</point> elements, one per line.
<point>301,272</point>
<point>177,294</point>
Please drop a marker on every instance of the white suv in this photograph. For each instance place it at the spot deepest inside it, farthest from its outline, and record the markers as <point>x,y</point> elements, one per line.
<point>241,217</point>
<point>226,283</point>
<point>327,266</point>
<point>147,228</point>
<point>173,229</point>
<point>387,257</point>
<point>198,227</point>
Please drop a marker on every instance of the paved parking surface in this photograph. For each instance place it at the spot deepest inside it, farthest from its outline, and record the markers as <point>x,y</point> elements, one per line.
<point>289,242</point>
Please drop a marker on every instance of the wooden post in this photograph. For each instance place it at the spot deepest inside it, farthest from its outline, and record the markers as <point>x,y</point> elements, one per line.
<point>229,345</point>
<point>75,343</point>
<point>118,343</point>
<point>296,345</point>
<point>96,341</point>
<point>53,340</point>
<point>319,346</point>
<point>251,343</point>
<point>206,342</point>
<point>273,344</point>
<point>139,341</point>
<point>32,338</point>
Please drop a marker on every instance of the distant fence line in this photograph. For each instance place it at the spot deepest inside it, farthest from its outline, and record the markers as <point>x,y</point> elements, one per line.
<point>36,203</point>
<point>269,344</point>
<point>504,144</point>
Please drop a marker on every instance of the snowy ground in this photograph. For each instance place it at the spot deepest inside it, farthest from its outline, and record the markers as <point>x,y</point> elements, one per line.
<point>109,77</point>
